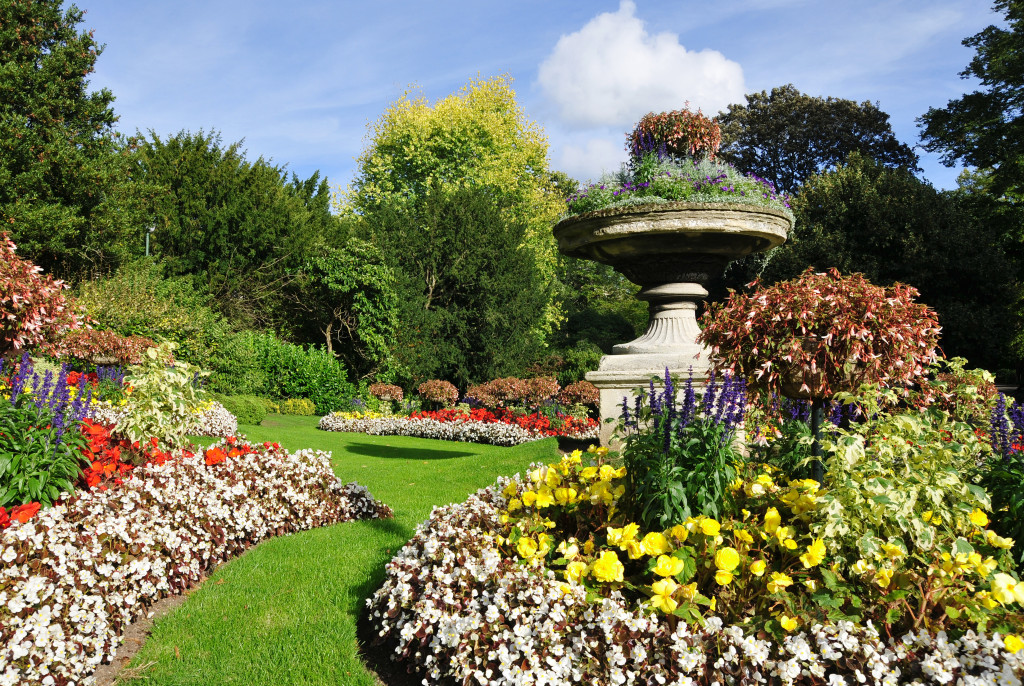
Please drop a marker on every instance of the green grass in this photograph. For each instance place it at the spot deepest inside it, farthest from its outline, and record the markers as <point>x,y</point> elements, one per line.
<point>286,611</point>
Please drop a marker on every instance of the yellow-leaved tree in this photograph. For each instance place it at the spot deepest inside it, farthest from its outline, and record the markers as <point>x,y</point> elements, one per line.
<point>478,137</point>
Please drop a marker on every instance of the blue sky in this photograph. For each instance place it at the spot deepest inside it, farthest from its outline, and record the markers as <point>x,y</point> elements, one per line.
<point>300,81</point>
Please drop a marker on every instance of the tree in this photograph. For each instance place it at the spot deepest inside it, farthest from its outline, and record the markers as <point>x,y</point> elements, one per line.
<point>890,226</point>
<point>786,136</point>
<point>349,296</point>
<point>66,195</point>
<point>470,293</point>
<point>478,137</point>
<point>239,228</point>
<point>985,128</point>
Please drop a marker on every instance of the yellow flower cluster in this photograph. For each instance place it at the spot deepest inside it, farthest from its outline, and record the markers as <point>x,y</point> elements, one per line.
<point>357,415</point>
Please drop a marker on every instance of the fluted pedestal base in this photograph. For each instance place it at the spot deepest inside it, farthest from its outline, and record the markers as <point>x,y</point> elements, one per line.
<point>669,342</point>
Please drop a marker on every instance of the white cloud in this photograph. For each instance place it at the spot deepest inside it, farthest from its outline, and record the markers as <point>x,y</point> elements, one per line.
<point>589,159</point>
<point>612,72</point>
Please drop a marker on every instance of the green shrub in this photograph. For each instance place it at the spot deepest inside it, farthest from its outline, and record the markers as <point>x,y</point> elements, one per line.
<point>164,396</point>
<point>272,406</point>
<point>300,406</point>
<point>262,364</point>
<point>139,301</point>
<point>248,409</point>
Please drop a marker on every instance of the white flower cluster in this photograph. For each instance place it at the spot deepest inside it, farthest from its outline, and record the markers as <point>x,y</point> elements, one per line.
<point>77,574</point>
<point>455,609</point>
<point>463,431</point>
<point>106,413</point>
<point>215,420</point>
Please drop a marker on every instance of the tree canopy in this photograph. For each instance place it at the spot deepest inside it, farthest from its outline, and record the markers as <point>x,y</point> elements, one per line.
<point>890,226</point>
<point>786,136</point>
<point>469,290</point>
<point>478,137</point>
<point>66,195</point>
<point>985,128</point>
<point>241,228</point>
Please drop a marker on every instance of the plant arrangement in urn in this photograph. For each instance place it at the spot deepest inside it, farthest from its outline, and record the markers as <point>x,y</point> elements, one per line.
<point>672,159</point>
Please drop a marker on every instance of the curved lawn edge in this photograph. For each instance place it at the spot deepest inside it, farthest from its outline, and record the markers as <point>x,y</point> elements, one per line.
<point>305,592</point>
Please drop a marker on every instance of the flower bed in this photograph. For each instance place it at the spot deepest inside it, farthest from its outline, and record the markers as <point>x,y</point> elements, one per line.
<point>464,601</point>
<point>74,576</point>
<point>497,427</point>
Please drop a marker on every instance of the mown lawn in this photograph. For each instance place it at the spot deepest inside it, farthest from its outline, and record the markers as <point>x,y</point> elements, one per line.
<point>286,611</point>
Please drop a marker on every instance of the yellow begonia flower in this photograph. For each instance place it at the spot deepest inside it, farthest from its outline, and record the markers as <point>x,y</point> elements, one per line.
<point>814,555</point>
<point>566,589</point>
<point>526,547</point>
<point>986,600</point>
<point>979,518</point>
<point>883,578</point>
<point>998,541</point>
<point>743,535</point>
<point>588,547</point>
<point>689,591</point>
<point>772,519</point>
<point>787,623</point>
<point>789,544</point>
<point>606,472</point>
<point>655,543</point>
<point>861,566</point>
<point>543,544</point>
<point>1005,589</point>
<point>779,581</point>
<point>1013,643</point>
<point>679,532</point>
<point>723,578</point>
<point>607,567</point>
<point>986,567</point>
<point>709,527</point>
<point>537,475</point>
<point>927,516</point>
<point>545,498</point>
<point>566,496</point>
<point>588,473</point>
<point>893,551</point>
<point>575,571</point>
<point>515,504</point>
<point>601,492</point>
<point>568,549</point>
<point>576,456</point>
<point>757,567</point>
<point>811,584</point>
<point>634,550</point>
<point>510,490</point>
<point>529,498</point>
<point>622,537</point>
<point>662,598</point>
<point>552,478</point>
<point>668,566</point>
<point>727,559</point>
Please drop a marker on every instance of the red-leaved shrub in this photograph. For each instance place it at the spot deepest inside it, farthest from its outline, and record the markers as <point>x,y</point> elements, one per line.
<point>101,347</point>
<point>579,393</point>
<point>439,392</point>
<point>681,133</point>
<point>822,333</point>
<point>385,391</point>
<point>33,307</point>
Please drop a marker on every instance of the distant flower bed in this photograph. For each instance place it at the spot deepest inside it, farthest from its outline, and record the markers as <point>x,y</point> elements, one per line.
<point>497,427</point>
<point>75,575</point>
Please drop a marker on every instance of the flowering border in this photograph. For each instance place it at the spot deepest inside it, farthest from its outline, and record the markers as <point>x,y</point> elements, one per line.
<point>467,431</point>
<point>76,575</point>
<point>453,607</point>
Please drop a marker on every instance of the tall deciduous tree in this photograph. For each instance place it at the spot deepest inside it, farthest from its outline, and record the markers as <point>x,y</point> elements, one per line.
<point>349,296</point>
<point>240,228</point>
<point>478,137</point>
<point>65,191</point>
<point>891,226</point>
<point>985,128</point>
<point>786,136</point>
<point>469,289</point>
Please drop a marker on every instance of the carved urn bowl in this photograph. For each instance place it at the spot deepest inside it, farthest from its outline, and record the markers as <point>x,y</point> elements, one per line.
<point>674,242</point>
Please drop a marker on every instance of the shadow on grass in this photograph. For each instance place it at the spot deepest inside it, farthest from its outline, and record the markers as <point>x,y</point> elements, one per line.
<point>371,450</point>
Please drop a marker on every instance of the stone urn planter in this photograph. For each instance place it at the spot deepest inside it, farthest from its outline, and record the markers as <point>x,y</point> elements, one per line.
<point>672,251</point>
